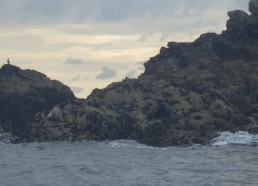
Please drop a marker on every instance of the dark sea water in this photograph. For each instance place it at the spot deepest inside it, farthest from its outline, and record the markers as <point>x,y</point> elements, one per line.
<point>127,163</point>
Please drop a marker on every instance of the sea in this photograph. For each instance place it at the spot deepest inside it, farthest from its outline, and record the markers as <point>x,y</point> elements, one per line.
<point>230,160</point>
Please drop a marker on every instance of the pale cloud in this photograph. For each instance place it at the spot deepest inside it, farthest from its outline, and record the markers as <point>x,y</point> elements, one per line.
<point>76,78</point>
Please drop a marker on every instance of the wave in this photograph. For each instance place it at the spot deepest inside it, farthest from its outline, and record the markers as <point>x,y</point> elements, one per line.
<point>126,144</point>
<point>132,144</point>
<point>239,137</point>
<point>225,138</point>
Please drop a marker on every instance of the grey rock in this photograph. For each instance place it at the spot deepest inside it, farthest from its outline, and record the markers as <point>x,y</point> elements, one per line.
<point>237,21</point>
<point>218,104</point>
<point>55,114</point>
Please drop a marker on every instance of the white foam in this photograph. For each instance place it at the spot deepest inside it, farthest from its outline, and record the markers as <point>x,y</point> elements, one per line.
<point>132,144</point>
<point>126,144</point>
<point>239,137</point>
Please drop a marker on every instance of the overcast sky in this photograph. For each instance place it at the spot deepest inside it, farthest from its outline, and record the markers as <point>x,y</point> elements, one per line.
<point>88,44</point>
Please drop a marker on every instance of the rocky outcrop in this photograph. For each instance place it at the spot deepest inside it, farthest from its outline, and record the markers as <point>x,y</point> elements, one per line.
<point>241,26</point>
<point>23,93</point>
<point>188,93</point>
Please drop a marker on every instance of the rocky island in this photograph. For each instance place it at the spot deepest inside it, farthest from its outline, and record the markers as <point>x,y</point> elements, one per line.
<point>188,93</point>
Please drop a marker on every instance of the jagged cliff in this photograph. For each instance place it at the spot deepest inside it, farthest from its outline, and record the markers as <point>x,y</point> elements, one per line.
<point>188,93</point>
<point>23,93</point>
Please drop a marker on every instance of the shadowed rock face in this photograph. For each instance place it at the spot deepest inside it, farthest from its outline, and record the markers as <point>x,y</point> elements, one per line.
<point>23,93</point>
<point>188,93</point>
<point>253,7</point>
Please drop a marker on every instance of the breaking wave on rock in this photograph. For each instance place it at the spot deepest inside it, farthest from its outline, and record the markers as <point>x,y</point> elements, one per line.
<point>239,137</point>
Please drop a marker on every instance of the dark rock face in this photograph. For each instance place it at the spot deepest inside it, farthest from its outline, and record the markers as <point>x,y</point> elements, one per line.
<point>188,93</point>
<point>23,93</point>
<point>241,26</point>
<point>253,7</point>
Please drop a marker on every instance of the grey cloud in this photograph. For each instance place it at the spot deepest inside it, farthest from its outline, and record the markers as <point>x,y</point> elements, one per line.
<point>164,37</point>
<point>73,61</point>
<point>77,90</point>
<point>141,68</point>
<point>145,36</point>
<point>131,74</point>
<point>106,73</point>
<point>79,11</point>
<point>140,65</point>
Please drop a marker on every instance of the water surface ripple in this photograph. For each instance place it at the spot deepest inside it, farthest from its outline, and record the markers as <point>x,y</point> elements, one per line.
<point>126,163</point>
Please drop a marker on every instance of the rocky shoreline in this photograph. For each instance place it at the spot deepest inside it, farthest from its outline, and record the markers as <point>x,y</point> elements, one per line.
<point>188,93</point>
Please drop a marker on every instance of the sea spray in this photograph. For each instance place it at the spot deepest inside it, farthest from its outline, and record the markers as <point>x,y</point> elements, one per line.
<point>239,137</point>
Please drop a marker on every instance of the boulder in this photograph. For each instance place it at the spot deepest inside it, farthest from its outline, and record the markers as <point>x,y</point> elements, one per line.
<point>237,21</point>
<point>55,114</point>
